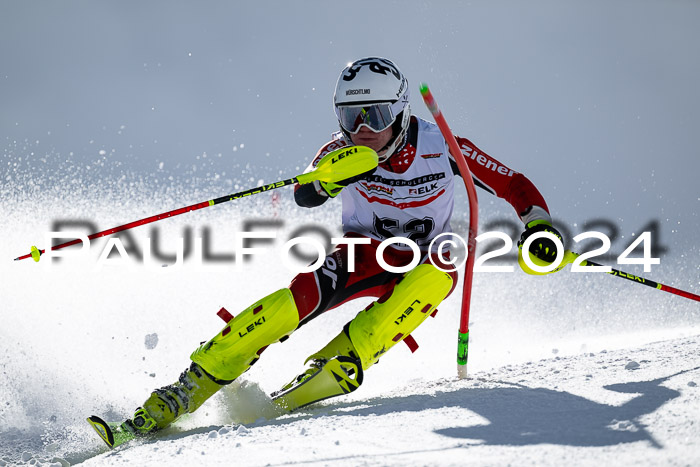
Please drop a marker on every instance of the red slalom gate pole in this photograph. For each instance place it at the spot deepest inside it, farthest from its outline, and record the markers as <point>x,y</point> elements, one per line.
<point>463,336</point>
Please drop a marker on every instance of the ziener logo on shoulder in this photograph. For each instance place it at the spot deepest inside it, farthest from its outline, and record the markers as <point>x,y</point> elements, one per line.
<point>481,159</point>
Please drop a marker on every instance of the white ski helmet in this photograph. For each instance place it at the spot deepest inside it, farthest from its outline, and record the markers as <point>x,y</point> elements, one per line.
<point>373,92</point>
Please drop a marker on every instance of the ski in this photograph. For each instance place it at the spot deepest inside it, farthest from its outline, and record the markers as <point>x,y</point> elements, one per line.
<point>340,375</point>
<point>112,433</point>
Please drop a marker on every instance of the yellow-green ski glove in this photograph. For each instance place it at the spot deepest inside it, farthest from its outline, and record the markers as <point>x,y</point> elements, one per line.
<point>543,251</point>
<point>334,189</point>
<point>331,189</point>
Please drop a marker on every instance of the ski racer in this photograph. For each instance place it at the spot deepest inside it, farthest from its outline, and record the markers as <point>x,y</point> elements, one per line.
<point>410,195</point>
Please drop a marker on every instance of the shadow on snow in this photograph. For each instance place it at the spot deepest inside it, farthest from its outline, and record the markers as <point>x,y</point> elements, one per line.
<point>521,415</point>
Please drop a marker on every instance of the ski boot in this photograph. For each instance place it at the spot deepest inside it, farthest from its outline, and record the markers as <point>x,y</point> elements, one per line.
<point>339,367</point>
<point>215,364</point>
<point>332,371</point>
<point>162,408</point>
<point>167,404</point>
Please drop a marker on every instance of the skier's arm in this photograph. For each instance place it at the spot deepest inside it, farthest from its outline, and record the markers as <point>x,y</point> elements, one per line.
<point>500,180</point>
<point>521,193</point>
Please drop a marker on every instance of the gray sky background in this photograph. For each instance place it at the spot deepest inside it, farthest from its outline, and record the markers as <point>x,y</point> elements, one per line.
<point>597,101</point>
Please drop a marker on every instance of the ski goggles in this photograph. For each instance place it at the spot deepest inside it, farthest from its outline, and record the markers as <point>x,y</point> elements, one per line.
<point>376,117</point>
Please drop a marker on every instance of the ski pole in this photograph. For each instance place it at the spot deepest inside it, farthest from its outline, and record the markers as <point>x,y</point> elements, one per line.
<point>463,334</point>
<point>338,165</point>
<point>571,256</point>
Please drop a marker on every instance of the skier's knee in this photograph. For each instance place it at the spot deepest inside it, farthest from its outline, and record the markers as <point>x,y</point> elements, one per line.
<point>391,319</point>
<point>240,343</point>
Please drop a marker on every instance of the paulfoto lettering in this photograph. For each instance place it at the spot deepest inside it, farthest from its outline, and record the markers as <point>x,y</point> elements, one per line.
<point>444,245</point>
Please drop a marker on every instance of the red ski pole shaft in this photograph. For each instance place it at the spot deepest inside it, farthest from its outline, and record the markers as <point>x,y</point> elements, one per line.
<point>647,282</point>
<point>164,215</point>
<point>571,257</point>
<point>341,164</point>
<point>463,336</point>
